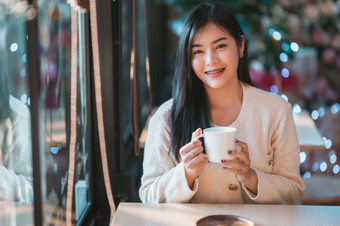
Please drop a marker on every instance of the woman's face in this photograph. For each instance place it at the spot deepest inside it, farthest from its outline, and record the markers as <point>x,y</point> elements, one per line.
<point>215,56</point>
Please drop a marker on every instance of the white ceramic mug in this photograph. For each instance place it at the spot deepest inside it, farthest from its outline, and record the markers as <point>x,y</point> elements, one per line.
<point>217,141</point>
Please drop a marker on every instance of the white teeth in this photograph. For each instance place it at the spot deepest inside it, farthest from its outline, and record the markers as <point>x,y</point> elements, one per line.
<point>213,72</point>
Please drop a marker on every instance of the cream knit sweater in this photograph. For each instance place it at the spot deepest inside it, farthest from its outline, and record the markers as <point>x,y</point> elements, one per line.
<point>16,178</point>
<point>265,123</point>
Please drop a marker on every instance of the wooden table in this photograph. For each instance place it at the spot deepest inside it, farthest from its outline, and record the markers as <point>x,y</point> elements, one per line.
<point>262,215</point>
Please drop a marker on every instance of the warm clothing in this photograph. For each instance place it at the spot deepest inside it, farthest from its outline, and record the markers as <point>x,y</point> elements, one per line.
<point>16,183</point>
<point>265,123</point>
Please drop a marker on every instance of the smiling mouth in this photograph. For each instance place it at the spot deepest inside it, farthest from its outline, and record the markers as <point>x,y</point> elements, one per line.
<point>215,71</point>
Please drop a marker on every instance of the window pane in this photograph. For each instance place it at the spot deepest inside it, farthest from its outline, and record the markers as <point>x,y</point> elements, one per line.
<point>54,28</point>
<point>16,181</point>
<point>15,136</point>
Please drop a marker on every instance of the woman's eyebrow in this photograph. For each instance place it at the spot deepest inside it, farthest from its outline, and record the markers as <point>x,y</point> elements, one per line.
<point>213,42</point>
<point>220,39</point>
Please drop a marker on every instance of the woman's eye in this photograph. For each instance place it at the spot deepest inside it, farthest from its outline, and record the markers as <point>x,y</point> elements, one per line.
<point>197,52</point>
<point>220,46</point>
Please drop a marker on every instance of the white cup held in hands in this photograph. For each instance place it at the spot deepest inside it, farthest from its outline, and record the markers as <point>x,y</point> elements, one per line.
<point>217,141</point>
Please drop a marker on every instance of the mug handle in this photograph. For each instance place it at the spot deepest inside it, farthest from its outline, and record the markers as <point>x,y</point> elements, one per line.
<point>199,136</point>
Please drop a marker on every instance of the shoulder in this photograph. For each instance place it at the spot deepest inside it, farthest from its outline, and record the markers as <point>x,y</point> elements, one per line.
<point>163,112</point>
<point>159,124</point>
<point>264,99</point>
<point>19,110</point>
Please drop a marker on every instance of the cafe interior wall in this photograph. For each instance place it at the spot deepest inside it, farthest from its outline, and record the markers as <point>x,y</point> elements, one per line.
<point>294,51</point>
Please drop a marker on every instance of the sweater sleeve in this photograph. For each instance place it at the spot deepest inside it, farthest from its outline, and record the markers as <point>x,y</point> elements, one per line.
<point>284,184</point>
<point>163,178</point>
<point>14,187</point>
<point>16,178</point>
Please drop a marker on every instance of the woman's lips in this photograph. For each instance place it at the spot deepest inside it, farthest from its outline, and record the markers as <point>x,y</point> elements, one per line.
<point>214,73</point>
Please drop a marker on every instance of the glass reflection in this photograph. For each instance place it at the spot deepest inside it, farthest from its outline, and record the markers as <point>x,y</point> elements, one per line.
<point>16,183</point>
<point>54,26</point>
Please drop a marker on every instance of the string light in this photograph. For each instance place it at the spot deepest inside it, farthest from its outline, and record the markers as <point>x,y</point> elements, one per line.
<point>296,108</point>
<point>315,166</point>
<point>294,46</point>
<point>24,98</point>
<point>285,46</point>
<point>14,47</point>
<point>302,157</point>
<point>328,144</point>
<point>285,73</point>
<point>283,57</point>
<point>335,108</point>
<point>274,89</point>
<point>284,97</point>
<point>307,175</point>
<point>24,58</point>
<point>321,112</point>
<point>315,114</point>
<point>323,166</point>
<point>277,35</point>
<point>23,73</point>
<point>332,158</point>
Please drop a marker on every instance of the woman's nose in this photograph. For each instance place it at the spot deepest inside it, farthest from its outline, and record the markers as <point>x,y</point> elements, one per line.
<point>211,58</point>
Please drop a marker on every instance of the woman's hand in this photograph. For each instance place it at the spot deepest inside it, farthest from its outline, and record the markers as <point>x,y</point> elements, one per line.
<point>240,166</point>
<point>193,158</point>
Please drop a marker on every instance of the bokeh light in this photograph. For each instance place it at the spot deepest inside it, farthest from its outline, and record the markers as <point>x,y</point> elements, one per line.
<point>302,157</point>
<point>14,47</point>
<point>274,89</point>
<point>283,57</point>
<point>294,46</point>
<point>315,114</point>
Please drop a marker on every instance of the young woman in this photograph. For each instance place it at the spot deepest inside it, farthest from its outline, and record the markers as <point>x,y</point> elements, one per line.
<point>212,87</point>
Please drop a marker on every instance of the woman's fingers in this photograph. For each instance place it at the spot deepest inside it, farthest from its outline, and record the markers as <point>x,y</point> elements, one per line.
<point>232,170</point>
<point>193,158</point>
<point>196,161</point>
<point>190,150</point>
<point>193,153</point>
<point>240,164</point>
<point>244,146</point>
<point>196,134</point>
<point>242,155</point>
<point>189,147</point>
<point>237,164</point>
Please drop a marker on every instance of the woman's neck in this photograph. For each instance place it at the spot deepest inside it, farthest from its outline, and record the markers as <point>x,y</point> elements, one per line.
<point>225,104</point>
<point>226,97</point>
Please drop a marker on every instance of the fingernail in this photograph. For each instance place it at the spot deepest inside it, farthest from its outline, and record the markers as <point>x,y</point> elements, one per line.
<point>229,152</point>
<point>223,160</point>
<point>225,168</point>
<point>236,141</point>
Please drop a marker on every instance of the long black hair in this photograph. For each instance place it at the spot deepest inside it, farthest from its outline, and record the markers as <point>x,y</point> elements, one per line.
<point>190,109</point>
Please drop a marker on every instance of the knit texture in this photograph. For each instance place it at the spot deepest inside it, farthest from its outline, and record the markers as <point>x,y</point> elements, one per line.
<point>265,123</point>
<point>16,183</point>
